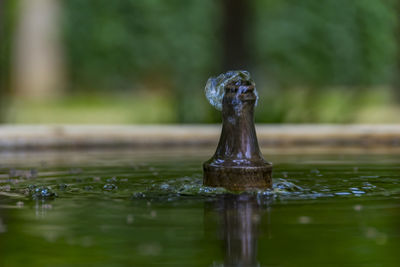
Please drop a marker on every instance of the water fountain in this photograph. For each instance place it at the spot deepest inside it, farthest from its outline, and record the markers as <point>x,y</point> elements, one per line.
<point>237,164</point>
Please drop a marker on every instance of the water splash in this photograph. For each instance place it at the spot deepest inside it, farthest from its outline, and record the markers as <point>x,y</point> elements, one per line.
<point>174,189</point>
<point>42,192</point>
<point>172,181</point>
<point>215,86</point>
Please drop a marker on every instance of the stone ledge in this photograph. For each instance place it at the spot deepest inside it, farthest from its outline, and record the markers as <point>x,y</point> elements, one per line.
<point>114,136</point>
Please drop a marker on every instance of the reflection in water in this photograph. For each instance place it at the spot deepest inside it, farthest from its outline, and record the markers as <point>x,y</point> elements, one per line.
<point>239,220</point>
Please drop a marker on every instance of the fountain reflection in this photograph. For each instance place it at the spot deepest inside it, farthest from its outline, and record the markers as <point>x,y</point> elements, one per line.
<point>239,218</point>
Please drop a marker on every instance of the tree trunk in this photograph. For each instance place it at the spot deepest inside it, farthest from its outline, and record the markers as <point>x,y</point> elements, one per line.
<point>4,59</point>
<point>396,78</point>
<point>234,26</point>
<point>38,67</point>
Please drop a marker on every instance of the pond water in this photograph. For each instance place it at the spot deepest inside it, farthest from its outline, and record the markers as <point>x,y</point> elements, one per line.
<point>148,208</point>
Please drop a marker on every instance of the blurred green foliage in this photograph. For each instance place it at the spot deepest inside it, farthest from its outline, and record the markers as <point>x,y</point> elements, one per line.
<point>322,61</point>
<point>125,44</point>
<point>8,16</point>
<point>313,61</point>
<point>331,42</point>
<point>176,45</point>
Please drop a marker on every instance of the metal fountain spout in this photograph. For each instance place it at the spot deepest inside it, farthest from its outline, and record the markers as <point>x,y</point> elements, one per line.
<point>237,164</point>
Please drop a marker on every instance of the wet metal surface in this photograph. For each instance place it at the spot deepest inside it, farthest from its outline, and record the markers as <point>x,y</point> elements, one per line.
<point>238,163</point>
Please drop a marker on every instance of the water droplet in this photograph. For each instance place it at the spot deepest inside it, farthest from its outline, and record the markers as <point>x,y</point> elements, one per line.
<point>164,186</point>
<point>110,187</point>
<point>41,192</point>
<point>112,180</point>
<point>5,188</point>
<point>88,188</point>
<point>315,171</point>
<point>138,195</point>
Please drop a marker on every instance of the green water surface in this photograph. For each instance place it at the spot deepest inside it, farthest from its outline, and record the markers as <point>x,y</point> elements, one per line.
<point>148,208</point>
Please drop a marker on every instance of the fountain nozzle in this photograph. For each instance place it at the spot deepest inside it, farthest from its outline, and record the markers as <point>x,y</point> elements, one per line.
<point>238,164</point>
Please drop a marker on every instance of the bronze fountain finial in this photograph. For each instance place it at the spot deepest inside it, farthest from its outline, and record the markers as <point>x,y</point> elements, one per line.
<point>237,164</point>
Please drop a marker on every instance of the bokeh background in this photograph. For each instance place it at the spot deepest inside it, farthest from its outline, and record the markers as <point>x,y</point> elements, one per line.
<point>147,61</point>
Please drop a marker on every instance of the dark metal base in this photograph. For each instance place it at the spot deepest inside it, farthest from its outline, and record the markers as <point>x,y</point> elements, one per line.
<point>238,178</point>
